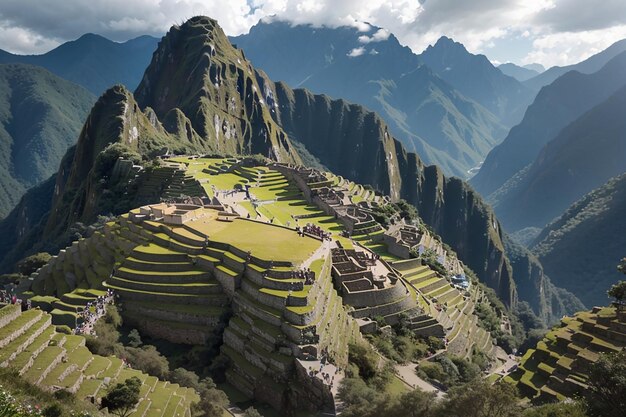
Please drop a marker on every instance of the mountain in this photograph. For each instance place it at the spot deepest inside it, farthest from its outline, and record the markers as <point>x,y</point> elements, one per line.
<point>535,67</point>
<point>583,156</point>
<point>475,77</point>
<point>356,144</point>
<point>517,72</point>
<point>588,66</point>
<point>93,61</point>
<point>40,117</point>
<point>423,111</point>
<point>556,106</point>
<point>252,114</point>
<point>581,248</point>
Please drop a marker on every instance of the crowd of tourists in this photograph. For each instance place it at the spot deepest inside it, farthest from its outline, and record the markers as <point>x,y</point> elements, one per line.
<point>327,377</point>
<point>9,298</point>
<point>312,229</point>
<point>93,311</point>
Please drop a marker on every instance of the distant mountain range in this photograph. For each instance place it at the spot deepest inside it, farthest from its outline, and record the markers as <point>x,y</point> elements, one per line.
<point>583,156</point>
<point>93,61</point>
<point>588,66</point>
<point>430,115</point>
<point>40,117</point>
<point>477,78</point>
<point>556,106</point>
<point>517,72</point>
<point>580,249</point>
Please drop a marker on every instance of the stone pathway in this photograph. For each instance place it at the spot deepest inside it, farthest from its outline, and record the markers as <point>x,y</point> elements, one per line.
<point>407,374</point>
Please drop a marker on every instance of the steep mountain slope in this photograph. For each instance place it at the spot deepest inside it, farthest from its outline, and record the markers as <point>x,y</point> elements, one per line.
<point>556,106</point>
<point>475,77</point>
<point>198,78</point>
<point>226,116</point>
<point>40,117</point>
<point>356,144</point>
<point>582,157</point>
<point>581,248</point>
<point>346,138</point>
<point>93,61</point>
<point>517,72</point>
<point>373,69</point>
<point>588,66</point>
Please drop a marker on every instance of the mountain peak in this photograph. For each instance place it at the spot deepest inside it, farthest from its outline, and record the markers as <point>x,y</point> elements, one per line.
<point>448,43</point>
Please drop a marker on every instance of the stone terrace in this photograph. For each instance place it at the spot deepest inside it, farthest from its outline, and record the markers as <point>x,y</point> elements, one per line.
<point>557,367</point>
<point>30,344</point>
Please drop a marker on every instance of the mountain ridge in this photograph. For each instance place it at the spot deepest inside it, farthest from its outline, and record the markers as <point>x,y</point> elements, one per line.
<point>94,61</point>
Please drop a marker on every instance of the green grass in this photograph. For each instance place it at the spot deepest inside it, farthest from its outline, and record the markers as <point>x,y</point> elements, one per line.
<point>270,242</point>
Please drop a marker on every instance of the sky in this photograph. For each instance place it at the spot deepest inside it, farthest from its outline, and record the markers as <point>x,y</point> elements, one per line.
<point>549,32</point>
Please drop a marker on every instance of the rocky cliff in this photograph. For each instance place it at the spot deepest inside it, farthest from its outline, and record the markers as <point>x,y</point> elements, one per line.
<point>356,144</point>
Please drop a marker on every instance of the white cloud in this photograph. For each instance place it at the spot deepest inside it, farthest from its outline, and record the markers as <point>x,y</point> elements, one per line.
<point>560,31</point>
<point>378,36</point>
<point>356,52</point>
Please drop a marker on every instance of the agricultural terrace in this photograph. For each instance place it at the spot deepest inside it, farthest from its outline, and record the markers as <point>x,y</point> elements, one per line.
<point>263,241</point>
<point>273,197</point>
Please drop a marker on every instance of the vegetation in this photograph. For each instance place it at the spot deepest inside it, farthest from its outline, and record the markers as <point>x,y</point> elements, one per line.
<point>618,292</point>
<point>585,228</point>
<point>607,385</point>
<point>122,398</point>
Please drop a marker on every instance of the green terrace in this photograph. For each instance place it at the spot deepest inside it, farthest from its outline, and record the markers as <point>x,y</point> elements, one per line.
<point>57,361</point>
<point>557,367</point>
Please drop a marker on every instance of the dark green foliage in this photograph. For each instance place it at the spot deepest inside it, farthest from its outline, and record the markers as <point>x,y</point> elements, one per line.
<point>607,386</point>
<point>122,398</point>
<point>618,292</point>
<point>365,359</point>
<point>481,399</point>
<point>450,371</point>
<point>593,229</point>
<point>134,338</point>
<point>570,409</point>
<point>53,410</point>
<point>148,360</point>
<point>40,117</point>
<point>31,263</point>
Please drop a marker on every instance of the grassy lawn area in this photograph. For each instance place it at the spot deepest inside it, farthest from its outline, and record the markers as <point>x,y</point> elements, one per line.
<point>269,242</point>
<point>396,386</point>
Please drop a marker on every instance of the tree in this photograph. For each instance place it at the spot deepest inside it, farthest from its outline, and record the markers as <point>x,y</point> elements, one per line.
<point>123,397</point>
<point>212,403</point>
<point>481,399</point>
<point>182,376</point>
<point>149,360</point>
<point>607,385</point>
<point>618,291</point>
<point>134,338</point>
<point>416,403</point>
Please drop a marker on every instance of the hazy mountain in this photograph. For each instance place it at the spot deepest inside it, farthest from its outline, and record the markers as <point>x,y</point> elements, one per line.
<point>535,67</point>
<point>517,72</point>
<point>556,106</point>
<point>423,111</point>
<point>215,82</point>
<point>581,248</point>
<point>93,61</point>
<point>583,156</point>
<point>40,117</point>
<point>475,77</point>
<point>588,66</point>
